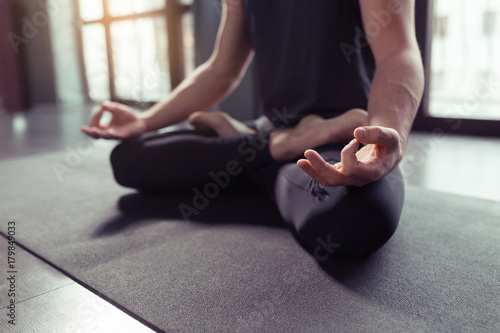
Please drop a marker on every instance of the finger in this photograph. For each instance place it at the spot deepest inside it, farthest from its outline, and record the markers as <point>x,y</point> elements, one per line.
<point>307,167</point>
<point>362,169</point>
<point>116,108</point>
<point>349,181</point>
<point>96,118</point>
<point>111,106</point>
<point>349,160</point>
<point>118,112</point>
<point>363,172</point>
<point>331,174</point>
<point>109,134</point>
<point>384,136</point>
<point>113,134</point>
<point>92,132</point>
<point>88,131</point>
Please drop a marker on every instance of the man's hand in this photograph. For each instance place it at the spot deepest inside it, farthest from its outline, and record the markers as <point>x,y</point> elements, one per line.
<point>383,150</point>
<point>124,123</point>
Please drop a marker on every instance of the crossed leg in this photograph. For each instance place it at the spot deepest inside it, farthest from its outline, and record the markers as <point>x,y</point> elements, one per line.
<point>181,160</point>
<point>347,220</point>
<point>344,220</point>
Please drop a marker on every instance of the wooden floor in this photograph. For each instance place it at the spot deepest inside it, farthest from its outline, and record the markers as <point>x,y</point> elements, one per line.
<point>464,165</point>
<point>49,301</point>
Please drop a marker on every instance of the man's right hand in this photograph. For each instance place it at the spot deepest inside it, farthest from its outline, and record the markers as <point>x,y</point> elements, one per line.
<point>124,123</point>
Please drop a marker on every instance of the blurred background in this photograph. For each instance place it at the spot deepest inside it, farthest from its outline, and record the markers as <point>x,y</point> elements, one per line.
<point>79,52</point>
<point>465,61</point>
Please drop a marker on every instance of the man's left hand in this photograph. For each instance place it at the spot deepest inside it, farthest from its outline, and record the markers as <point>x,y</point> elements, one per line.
<point>383,150</point>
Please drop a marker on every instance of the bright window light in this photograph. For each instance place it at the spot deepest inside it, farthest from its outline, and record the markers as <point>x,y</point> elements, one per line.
<point>127,7</point>
<point>96,61</point>
<point>138,48</point>
<point>465,65</point>
<point>140,59</point>
<point>91,10</point>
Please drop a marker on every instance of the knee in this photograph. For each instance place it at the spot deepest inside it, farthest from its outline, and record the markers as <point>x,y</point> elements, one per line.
<point>352,227</point>
<point>353,238</point>
<point>121,159</point>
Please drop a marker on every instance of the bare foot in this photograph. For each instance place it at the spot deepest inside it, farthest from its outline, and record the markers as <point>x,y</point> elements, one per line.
<point>313,131</point>
<point>220,122</point>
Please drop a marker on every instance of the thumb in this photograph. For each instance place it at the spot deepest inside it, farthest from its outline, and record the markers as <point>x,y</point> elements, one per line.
<point>379,135</point>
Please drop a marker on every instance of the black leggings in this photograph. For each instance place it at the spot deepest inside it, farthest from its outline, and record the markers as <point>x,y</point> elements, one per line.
<point>347,220</point>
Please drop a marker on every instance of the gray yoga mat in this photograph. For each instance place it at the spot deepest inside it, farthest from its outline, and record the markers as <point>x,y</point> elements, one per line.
<point>234,268</point>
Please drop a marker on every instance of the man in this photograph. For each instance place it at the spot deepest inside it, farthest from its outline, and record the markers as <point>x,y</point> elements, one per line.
<point>343,71</point>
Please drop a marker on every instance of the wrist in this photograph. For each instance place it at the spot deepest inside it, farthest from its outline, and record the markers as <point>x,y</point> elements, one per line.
<point>145,119</point>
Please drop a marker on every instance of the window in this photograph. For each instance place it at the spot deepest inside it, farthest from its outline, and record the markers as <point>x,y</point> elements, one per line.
<point>465,60</point>
<point>135,50</point>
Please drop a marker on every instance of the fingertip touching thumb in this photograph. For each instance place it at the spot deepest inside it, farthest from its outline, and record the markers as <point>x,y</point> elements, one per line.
<point>361,133</point>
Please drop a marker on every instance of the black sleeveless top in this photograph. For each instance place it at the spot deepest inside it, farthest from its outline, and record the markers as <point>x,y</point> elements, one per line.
<point>311,56</point>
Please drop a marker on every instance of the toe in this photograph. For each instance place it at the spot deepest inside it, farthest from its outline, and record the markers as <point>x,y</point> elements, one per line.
<point>195,117</point>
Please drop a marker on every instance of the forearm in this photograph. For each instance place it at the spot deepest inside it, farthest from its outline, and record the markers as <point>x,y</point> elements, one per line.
<point>199,91</point>
<point>396,92</point>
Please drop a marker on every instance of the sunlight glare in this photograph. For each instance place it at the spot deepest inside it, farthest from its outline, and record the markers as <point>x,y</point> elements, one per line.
<point>91,10</point>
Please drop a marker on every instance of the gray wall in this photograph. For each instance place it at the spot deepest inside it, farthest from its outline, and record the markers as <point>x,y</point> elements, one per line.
<point>242,103</point>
